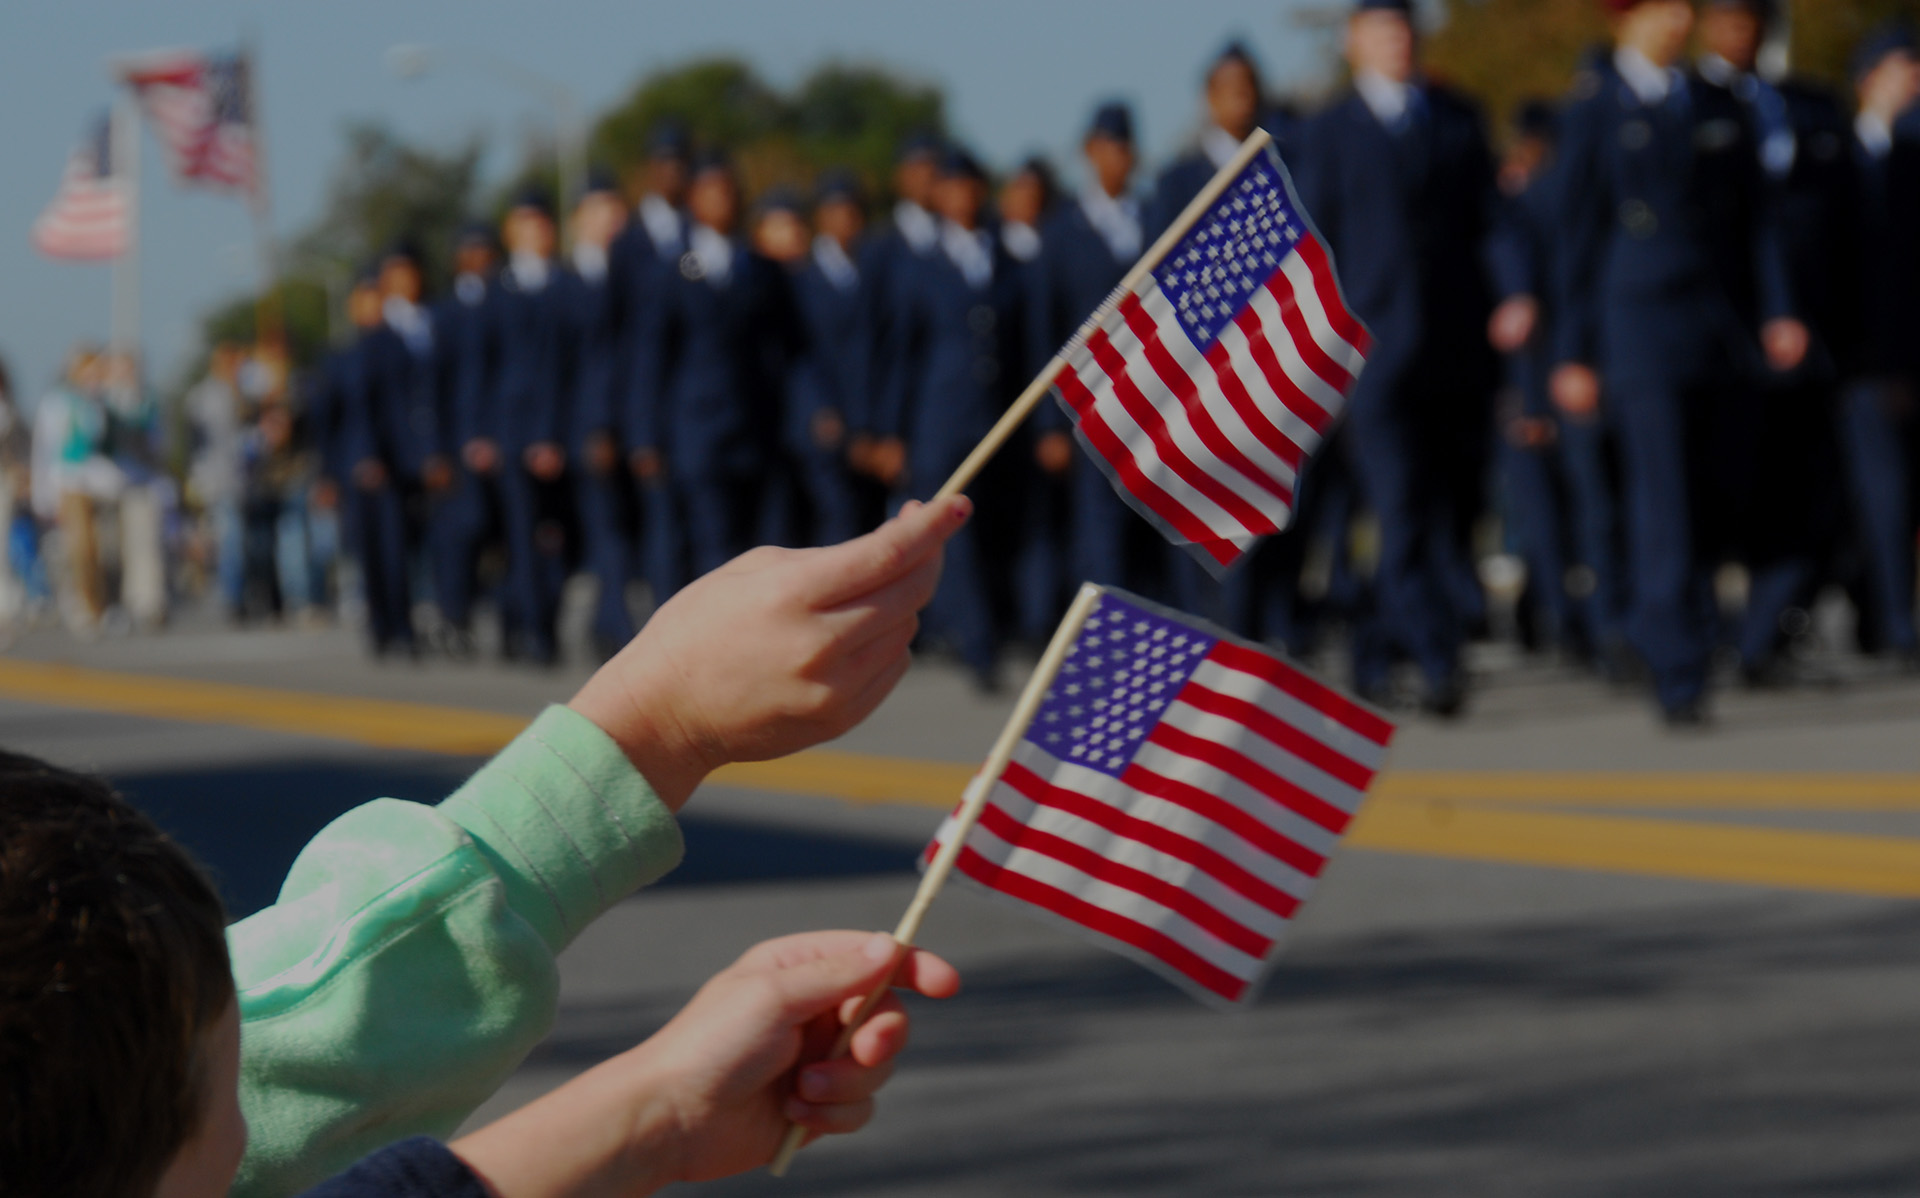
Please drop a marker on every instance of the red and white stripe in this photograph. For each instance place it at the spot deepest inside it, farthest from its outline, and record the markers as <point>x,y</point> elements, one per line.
<point>88,218</point>
<point>1195,859</point>
<point>1209,445</point>
<point>174,93</point>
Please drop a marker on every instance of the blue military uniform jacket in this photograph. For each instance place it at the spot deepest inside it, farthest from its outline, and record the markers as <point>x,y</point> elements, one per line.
<point>596,366</point>
<point>464,324</point>
<point>1076,272</point>
<point>532,330</point>
<point>1665,207</point>
<point>1406,213</point>
<point>956,356</point>
<point>712,368</point>
<point>636,271</point>
<point>840,322</point>
<point>405,386</point>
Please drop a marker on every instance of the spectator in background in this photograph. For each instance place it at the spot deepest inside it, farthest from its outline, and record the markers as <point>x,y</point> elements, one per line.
<point>216,474</point>
<point>71,477</point>
<point>133,432</point>
<point>14,450</point>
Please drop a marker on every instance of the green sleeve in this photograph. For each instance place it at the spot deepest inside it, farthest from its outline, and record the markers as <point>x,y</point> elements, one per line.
<point>408,965</point>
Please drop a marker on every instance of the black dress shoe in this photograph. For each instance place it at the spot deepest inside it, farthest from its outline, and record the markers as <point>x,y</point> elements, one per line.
<point>1690,716</point>
<point>1446,699</point>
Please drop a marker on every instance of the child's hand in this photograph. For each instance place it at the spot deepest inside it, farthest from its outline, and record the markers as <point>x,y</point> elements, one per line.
<point>777,650</point>
<point>711,1094</point>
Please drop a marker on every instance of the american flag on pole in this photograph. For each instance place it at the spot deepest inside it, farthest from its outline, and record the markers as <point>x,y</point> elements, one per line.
<point>201,107</point>
<point>1176,796</point>
<point>1202,389</point>
<point>88,219</point>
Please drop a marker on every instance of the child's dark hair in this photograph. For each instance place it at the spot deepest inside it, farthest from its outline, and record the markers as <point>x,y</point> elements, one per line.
<point>113,968</point>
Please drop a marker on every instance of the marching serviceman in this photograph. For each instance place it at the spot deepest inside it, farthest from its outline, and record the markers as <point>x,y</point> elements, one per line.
<point>603,489</point>
<point>955,355</point>
<point>530,424</point>
<point>1090,244</point>
<point>371,427</point>
<point>637,265</point>
<point>1040,539</point>
<point>1785,535</point>
<point>912,236</point>
<point>1399,177</point>
<point>1235,103</point>
<point>835,292</point>
<point>711,373</point>
<point>467,515</point>
<point>1672,291</point>
<point>1880,306</point>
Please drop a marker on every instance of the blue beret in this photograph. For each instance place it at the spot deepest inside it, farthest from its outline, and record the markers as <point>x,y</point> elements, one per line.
<point>474,232</point>
<point>600,178</point>
<point>1113,119</point>
<point>670,140</point>
<point>781,198</point>
<point>536,197</point>
<point>1403,7</point>
<point>838,184</point>
<point>1890,38</point>
<point>711,160</point>
<point>920,144</point>
<point>404,247</point>
<point>956,163</point>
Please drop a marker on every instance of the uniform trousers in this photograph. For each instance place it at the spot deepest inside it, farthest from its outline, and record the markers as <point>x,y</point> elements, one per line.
<point>377,534</point>
<point>1413,609</point>
<point>605,505</point>
<point>1877,439</point>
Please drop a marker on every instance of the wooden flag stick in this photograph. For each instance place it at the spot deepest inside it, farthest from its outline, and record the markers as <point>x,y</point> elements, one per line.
<point>1023,407</point>
<point>964,819</point>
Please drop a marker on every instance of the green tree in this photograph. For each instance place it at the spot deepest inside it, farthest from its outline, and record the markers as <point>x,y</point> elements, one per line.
<point>839,115</point>
<point>385,189</point>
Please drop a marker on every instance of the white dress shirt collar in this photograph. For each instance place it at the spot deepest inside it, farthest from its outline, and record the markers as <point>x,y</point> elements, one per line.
<point>834,263</point>
<point>1116,219</point>
<point>663,223</point>
<point>1218,145</point>
<point>529,271</point>
<point>917,225</point>
<point>1386,98</point>
<point>971,250</point>
<point>405,318</point>
<point>470,289</point>
<point>590,261</point>
<point>1651,85</point>
<point>714,253</point>
<point>1875,134</point>
<point>1021,239</point>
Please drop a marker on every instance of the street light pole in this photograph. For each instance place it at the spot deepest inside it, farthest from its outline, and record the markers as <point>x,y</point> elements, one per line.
<point>570,142</point>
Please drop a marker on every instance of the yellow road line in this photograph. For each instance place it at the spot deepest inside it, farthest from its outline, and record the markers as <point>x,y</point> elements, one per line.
<point>1670,848</point>
<point>1469,815</point>
<point>380,722</point>
<point>1701,791</point>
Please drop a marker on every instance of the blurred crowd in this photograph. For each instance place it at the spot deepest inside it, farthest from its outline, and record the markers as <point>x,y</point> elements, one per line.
<point>1668,329</point>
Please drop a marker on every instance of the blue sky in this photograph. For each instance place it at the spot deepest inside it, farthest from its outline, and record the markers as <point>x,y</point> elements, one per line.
<point>1020,76</point>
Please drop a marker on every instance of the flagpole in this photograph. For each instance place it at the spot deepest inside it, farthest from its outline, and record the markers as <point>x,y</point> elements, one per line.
<point>269,319</point>
<point>1036,391</point>
<point>977,793</point>
<point>123,141</point>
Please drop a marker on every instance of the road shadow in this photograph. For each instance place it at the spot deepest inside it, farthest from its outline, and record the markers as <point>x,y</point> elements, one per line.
<point>1750,1048</point>
<point>247,823</point>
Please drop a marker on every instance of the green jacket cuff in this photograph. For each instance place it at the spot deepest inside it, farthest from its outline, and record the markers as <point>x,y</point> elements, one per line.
<point>570,825</point>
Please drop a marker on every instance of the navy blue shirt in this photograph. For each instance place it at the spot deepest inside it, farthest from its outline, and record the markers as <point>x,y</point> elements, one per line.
<point>418,1168</point>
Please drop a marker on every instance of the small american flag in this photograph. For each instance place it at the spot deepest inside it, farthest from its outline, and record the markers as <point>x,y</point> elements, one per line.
<point>87,220</point>
<point>201,107</point>
<point>1203,388</point>
<point>1176,796</point>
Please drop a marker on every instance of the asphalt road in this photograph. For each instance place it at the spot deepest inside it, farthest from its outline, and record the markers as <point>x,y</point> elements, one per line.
<point>1597,959</point>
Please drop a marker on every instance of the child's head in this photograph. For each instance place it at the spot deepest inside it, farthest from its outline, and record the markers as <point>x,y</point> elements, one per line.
<point>119,1037</point>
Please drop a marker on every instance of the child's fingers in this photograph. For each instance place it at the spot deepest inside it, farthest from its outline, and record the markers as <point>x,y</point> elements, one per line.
<point>904,595</point>
<point>846,572</point>
<point>842,1080</point>
<point>834,1119</point>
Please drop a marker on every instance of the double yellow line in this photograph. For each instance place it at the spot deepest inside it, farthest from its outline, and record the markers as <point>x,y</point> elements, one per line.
<point>1516,818</point>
